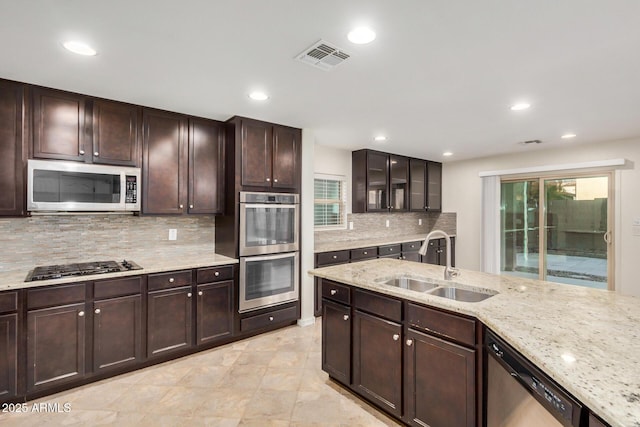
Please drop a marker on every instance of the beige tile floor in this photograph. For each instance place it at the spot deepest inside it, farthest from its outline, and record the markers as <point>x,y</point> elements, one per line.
<point>273,379</point>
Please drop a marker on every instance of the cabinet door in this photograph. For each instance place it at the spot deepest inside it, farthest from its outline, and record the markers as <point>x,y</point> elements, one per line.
<point>336,341</point>
<point>206,166</point>
<point>117,332</point>
<point>8,356</point>
<point>439,382</point>
<point>417,185</point>
<point>59,125</point>
<point>12,149</point>
<point>377,182</point>
<point>398,183</point>
<point>377,361</point>
<point>412,256</point>
<point>164,164</point>
<point>169,320</point>
<point>214,311</point>
<point>434,186</point>
<point>257,142</point>
<point>286,151</point>
<point>116,134</point>
<point>55,345</point>
<point>433,252</point>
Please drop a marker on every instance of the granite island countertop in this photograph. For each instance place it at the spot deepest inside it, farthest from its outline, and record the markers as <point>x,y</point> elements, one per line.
<point>340,245</point>
<point>180,258</point>
<point>543,321</point>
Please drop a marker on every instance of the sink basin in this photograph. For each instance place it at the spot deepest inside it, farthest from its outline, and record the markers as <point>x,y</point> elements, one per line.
<point>410,283</point>
<point>459,294</point>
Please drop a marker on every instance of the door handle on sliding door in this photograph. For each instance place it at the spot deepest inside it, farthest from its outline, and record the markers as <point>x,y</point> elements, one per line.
<point>607,237</point>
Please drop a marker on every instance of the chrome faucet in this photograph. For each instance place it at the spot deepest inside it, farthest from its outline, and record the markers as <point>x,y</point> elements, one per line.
<point>449,272</point>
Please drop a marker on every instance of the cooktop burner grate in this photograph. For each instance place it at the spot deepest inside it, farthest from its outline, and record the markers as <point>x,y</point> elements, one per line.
<point>49,272</point>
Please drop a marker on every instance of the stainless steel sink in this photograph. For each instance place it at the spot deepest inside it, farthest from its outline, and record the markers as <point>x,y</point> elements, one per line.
<point>459,294</point>
<point>410,283</point>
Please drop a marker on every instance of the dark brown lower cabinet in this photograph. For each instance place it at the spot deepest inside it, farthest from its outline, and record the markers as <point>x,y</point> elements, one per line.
<point>8,356</point>
<point>117,332</point>
<point>439,382</point>
<point>336,341</point>
<point>214,312</point>
<point>169,320</point>
<point>377,361</point>
<point>55,345</point>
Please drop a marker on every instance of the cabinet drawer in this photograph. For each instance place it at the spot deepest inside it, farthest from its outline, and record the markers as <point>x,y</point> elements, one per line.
<point>169,280</point>
<point>384,251</point>
<point>377,304</point>
<point>214,274</point>
<point>8,302</point>
<point>117,287</point>
<point>336,292</point>
<point>266,319</point>
<point>364,253</point>
<point>411,246</point>
<point>56,295</point>
<point>440,323</point>
<point>330,258</point>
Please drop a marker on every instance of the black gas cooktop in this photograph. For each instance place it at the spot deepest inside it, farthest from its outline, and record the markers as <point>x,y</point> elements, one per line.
<point>80,269</point>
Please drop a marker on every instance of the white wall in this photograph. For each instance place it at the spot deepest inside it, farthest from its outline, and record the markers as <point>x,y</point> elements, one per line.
<point>334,161</point>
<point>462,193</point>
<point>307,293</point>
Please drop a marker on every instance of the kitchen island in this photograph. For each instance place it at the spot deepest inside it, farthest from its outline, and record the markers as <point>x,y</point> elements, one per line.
<point>587,340</point>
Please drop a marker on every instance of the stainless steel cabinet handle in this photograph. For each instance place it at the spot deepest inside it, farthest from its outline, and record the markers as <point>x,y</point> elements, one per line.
<point>217,273</point>
<point>200,293</point>
<point>275,180</point>
<point>335,257</point>
<point>396,337</point>
<point>181,206</point>
<point>96,154</point>
<point>171,280</point>
<point>345,317</point>
<point>81,313</point>
<point>189,295</point>
<point>190,206</point>
<point>268,179</point>
<point>365,252</point>
<point>270,318</point>
<point>97,311</point>
<point>333,292</point>
<point>81,151</point>
<point>409,343</point>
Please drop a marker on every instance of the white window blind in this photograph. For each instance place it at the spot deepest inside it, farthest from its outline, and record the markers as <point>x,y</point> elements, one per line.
<point>330,202</point>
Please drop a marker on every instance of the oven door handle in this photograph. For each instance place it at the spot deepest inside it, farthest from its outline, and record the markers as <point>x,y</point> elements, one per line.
<point>268,257</point>
<point>268,206</point>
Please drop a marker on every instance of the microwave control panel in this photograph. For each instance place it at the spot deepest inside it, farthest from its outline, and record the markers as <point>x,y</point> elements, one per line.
<point>131,195</point>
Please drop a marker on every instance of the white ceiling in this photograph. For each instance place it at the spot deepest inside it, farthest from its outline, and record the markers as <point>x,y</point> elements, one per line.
<point>440,76</point>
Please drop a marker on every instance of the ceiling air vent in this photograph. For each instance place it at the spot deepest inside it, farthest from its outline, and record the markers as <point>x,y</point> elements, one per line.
<point>323,55</point>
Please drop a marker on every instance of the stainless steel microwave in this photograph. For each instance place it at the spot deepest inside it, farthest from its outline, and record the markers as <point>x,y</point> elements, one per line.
<point>79,187</point>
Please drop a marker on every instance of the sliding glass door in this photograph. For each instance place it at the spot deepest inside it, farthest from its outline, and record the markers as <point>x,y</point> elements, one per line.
<point>560,234</point>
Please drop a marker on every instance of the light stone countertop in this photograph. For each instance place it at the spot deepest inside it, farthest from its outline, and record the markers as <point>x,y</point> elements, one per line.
<point>543,321</point>
<point>340,245</point>
<point>181,258</point>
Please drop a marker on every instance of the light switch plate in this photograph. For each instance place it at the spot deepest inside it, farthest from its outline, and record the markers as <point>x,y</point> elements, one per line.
<point>419,221</point>
<point>173,234</point>
<point>350,225</point>
<point>386,223</point>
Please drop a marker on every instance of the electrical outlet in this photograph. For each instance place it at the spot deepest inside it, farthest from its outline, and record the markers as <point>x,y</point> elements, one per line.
<point>419,221</point>
<point>173,234</point>
<point>636,221</point>
<point>350,225</point>
<point>386,223</point>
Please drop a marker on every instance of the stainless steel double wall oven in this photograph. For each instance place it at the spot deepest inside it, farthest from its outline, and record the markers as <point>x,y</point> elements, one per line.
<point>269,249</point>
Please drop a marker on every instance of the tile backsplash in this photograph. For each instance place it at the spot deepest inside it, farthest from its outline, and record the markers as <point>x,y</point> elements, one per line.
<point>373,225</point>
<point>59,239</point>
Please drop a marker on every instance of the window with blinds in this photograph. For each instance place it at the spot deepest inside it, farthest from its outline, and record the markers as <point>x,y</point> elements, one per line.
<point>330,202</point>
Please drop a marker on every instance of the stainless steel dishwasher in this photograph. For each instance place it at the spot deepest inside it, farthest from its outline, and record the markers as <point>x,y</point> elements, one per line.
<point>521,395</point>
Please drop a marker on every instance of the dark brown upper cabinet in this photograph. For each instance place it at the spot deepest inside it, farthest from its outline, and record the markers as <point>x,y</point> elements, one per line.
<point>13,150</point>
<point>115,133</point>
<point>69,126</point>
<point>59,128</point>
<point>183,166</point>
<point>380,182</point>
<point>425,186</point>
<point>206,166</point>
<point>164,163</point>
<point>270,155</point>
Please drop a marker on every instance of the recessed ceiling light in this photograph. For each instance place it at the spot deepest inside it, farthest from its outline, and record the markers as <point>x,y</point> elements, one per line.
<point>258,96</point>
<point>79,48</point>
<point>361,35</point>
<point>447,153</point>
<point>568,136</point>
<point>380,138</point>
<point>520,106</point>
